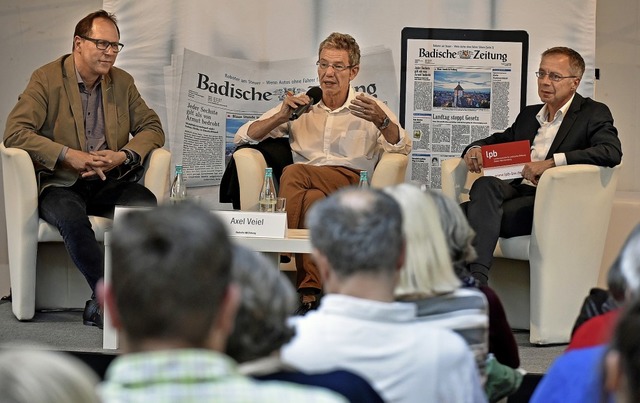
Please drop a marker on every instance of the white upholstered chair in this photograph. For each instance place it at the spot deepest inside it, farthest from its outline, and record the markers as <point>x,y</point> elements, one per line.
<point>543,278</point>
<point>41,271</point>
<point>250,165</point>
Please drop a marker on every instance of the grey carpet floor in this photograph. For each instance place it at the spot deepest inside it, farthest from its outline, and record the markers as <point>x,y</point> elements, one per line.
<point>64,331</point>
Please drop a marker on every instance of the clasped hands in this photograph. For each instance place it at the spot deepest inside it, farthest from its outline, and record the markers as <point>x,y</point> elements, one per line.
<point>94,162</point>
<point>531,170</point>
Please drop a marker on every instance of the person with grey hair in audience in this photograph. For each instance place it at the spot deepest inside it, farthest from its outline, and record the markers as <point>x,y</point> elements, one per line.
<point>175,327</point>
<point>31,374</point>
<point>459,236</point>
<point>359,248</point>
<point>266,300</point>
<point>428,280</point>
<point>577,375</point>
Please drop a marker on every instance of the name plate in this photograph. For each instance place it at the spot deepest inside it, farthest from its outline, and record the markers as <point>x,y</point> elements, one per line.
<point>252,224</point>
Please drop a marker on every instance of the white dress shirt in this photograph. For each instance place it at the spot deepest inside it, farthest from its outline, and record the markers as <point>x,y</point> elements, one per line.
<point>404,360</point>
<point>333,137</point>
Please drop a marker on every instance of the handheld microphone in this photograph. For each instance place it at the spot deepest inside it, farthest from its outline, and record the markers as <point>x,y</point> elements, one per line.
<point>315,93</point>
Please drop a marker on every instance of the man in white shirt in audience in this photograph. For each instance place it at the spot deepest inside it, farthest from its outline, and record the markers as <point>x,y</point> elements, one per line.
<point>358,247</point>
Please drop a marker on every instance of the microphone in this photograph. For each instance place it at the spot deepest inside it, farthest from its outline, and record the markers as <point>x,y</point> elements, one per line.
<point>315,93</point>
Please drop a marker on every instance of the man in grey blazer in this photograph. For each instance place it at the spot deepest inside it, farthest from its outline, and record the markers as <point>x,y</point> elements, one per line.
<point>86,128</point>
<point>566,129</point>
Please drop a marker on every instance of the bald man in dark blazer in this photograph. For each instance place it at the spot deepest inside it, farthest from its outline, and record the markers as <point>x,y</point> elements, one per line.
<point>566,129</point>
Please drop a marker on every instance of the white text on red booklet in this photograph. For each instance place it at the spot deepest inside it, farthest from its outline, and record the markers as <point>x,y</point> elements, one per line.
<point>506,160</point>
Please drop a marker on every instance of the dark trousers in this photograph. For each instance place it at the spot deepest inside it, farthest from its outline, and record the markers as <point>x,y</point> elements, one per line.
<point>68,208</point>
<point>497,209</point>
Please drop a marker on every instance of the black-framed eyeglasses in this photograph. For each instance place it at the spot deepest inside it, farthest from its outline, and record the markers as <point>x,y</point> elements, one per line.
<point>552,76</point>
<point>337,67</point>
<point>101,44</point>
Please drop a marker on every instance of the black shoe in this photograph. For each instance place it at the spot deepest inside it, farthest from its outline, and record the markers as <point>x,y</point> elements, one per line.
<point>92,315</point>
<point>306,307</point>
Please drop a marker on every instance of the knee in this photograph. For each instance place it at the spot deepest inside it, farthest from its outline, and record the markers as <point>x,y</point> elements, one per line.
<point>294,174</point>
<point>484,185</point>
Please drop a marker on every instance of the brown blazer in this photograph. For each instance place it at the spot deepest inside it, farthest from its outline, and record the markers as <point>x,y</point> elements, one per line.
<point>49,116</point>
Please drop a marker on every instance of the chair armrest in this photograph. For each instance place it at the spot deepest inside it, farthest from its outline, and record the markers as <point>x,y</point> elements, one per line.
<point>20,192</point>
<point>573,203</point>
<point>250,166</point>
<point>390,170</point>
<point>456,179</point>
<point>158,173</point>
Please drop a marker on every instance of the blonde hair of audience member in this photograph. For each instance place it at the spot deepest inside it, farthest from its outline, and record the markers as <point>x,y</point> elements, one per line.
<point>267,299</point>
<point>427,270</point>
<point>30,375</point>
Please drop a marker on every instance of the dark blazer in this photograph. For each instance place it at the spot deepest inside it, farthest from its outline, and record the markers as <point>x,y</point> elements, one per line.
<point>586,135</point>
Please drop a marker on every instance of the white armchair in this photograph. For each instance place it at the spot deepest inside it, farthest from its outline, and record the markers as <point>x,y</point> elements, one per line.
<point>42,274</point>
<point>543,278</point>
<point>250,165</point>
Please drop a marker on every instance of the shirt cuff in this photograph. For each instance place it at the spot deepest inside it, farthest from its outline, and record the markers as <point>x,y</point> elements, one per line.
<point>63,153</point>
<point>560,159</point>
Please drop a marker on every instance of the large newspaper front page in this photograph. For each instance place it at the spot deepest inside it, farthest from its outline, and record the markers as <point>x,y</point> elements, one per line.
<point>211,97</point>
<point>456,92</point>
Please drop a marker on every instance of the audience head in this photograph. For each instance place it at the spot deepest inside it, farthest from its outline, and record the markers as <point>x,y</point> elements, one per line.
<point>357,231</point>
<point>34,375</point>
<point>622,361</point>
<point>340,41</point>
<point>427,269</point>
<point>267,299</point>
<point>171,277</point>
<point>630,262</point>
<point>623,278</point>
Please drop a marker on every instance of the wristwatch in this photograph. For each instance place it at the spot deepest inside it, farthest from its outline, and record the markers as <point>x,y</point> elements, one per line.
<point>385,123</point>
<point>129,159</point>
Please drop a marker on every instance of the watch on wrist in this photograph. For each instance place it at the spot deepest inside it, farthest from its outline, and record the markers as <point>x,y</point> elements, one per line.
<point>385,123</point>
<point>129,159</point>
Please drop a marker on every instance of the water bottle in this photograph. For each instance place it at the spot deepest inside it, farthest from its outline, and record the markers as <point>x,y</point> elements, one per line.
<point>178,187</point>
<point>267,200</point>
<point>364,180</point>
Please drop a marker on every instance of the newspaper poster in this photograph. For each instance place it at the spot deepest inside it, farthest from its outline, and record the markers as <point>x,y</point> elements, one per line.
<point>456,91</point>
<point>210,97</point>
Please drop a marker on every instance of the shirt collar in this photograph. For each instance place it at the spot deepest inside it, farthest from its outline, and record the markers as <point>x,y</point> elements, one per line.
<point>542,115</point>
<point>350,96</point>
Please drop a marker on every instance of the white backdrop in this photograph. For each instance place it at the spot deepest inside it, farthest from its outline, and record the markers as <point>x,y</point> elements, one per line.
<point>286,29</point>
<point>35,32</point>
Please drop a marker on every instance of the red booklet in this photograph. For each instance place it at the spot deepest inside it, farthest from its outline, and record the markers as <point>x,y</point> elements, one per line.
<point>506,160</point>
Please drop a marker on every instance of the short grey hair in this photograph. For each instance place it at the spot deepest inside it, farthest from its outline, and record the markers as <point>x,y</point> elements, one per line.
<point>267,300</point>
<point>629,262</point>
<point>358,231</point>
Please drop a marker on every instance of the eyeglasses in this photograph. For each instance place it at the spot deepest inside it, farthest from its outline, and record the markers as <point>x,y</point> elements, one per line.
<point>552,76</point>
<point>336,67</point>
<point>101,44</point>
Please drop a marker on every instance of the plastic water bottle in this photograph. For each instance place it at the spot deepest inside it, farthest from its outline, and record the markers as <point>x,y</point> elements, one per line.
<point>364,180</point>
<point>178,187</point>
<point>268,198</point>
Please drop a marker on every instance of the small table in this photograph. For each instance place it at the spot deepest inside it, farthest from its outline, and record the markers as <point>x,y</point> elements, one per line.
<point>296,241</point>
